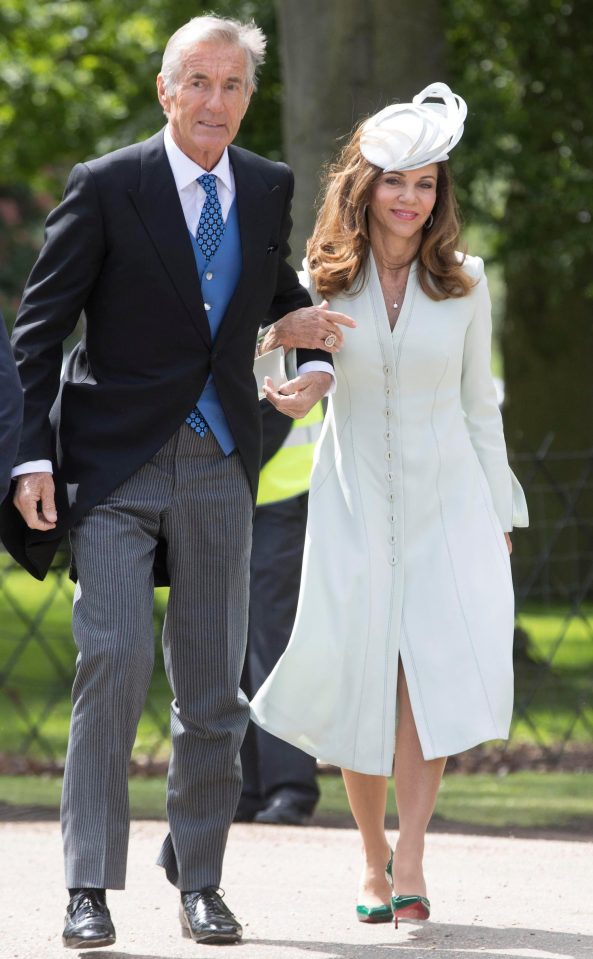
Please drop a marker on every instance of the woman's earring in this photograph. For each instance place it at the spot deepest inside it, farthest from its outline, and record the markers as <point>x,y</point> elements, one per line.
<point>428,222</point>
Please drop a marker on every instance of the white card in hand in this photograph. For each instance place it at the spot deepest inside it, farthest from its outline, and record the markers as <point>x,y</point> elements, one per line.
<point>270,364</point>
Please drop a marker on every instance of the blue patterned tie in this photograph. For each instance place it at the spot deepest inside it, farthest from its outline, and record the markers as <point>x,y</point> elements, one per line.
<point>211,225</point>
<point>209,234</point>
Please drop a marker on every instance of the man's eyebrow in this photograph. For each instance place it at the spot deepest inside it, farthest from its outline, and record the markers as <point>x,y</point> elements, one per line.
<point>200,75</point>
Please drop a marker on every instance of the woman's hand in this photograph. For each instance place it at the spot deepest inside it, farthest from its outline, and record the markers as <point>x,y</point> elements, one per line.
<point>308,329</point>
<point>508,542</point>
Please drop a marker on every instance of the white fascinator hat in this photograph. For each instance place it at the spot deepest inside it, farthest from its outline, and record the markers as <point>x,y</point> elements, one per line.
<point>407,136</point>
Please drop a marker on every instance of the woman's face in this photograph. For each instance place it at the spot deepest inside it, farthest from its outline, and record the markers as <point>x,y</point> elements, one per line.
<point>402,202</point>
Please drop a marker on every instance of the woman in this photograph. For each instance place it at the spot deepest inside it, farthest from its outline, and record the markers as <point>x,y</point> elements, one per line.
<point>403,636</point>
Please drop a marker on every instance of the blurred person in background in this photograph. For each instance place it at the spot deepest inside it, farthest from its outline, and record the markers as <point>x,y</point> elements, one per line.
<point>279,781</point>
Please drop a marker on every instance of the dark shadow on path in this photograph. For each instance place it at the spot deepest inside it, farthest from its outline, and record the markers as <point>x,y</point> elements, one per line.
<point>432,941</point>
<point>581,831</point>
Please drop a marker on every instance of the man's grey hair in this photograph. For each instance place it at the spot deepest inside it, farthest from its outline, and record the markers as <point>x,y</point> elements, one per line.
<point>247,36</point>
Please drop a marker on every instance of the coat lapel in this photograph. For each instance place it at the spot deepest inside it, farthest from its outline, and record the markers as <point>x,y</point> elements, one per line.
<point>157,203</point>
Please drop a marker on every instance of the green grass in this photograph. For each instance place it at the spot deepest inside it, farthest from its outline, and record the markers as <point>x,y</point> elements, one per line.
<point>550,801</point>
<point>557,685</point>
<point>36,673</point>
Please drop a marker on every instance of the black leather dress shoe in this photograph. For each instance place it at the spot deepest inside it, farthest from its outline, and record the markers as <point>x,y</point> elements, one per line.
<point>88,923</point>
<point>283,812</point>
<point>205,918</point>
<point>247,809</point>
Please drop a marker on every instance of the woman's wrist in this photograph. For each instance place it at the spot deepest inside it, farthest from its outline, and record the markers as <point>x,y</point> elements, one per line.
<point>268,340</point>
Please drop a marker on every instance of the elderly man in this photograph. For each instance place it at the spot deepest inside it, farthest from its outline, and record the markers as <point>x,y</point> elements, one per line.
<point>11,410</point>
<point>176,250</point>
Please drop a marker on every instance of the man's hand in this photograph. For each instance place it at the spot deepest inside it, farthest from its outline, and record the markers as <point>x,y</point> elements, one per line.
<point>508,542</point>
<point>33,489</point>
<point>298,396</point>
<point>308,329</point>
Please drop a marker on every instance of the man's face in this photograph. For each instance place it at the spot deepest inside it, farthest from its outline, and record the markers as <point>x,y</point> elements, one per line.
<point>210,100</point>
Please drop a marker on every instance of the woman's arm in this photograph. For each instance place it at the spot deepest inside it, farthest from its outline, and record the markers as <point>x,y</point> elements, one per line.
<point>483,418</point>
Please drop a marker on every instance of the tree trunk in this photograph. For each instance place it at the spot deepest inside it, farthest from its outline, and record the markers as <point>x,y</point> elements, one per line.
<point>343,60</point>
<point>548,360</point>
<point>548,355</point>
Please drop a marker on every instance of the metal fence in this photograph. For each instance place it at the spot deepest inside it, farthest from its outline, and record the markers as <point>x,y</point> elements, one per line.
<point>553,572</point>
<point>553,575</point>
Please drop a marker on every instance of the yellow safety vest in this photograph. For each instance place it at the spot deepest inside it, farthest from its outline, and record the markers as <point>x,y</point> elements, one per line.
<point>288,472</point>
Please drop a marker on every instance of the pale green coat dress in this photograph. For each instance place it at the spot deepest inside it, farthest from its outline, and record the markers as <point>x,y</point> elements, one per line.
<point>405,554</point>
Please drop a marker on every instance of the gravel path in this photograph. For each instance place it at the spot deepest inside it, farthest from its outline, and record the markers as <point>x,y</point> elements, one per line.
<point>294,888</point>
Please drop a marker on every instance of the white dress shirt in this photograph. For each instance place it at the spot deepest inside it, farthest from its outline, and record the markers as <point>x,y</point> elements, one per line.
<point>192,197</point>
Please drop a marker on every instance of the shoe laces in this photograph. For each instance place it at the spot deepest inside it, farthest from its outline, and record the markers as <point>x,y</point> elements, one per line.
<point>209,896</point>
<point>208,893</point>
<point>87,902</point>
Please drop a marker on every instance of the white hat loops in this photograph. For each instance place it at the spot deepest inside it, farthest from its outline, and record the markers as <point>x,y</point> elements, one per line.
<point>407,136</point>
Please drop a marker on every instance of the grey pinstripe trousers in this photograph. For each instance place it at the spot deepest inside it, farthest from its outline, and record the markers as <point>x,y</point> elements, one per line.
<point>199,501</point>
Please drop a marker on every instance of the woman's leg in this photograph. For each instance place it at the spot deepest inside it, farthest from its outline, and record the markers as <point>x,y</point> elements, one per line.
<point>367,796</point>
<point>417,783</point>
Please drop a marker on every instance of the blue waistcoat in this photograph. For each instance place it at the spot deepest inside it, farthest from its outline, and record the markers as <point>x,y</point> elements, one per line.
<point>218,281</point>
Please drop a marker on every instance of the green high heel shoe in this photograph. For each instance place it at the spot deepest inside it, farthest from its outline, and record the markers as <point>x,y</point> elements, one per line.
<point>382,913</point>
<point>410,908</point>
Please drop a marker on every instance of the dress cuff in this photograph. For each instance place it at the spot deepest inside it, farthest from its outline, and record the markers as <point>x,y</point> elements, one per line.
<point>520,511</point>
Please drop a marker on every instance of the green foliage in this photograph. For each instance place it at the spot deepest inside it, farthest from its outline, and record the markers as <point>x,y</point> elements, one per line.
<point>528,800</point>
<point>37,657</point>
<point>528,143</point>
<point>79,80</point>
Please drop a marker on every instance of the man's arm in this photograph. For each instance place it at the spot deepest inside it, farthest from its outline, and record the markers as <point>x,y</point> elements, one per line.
<point>52,303</point>
<point>290,295</point>
<point>54,298</point>
<point>315,365</point>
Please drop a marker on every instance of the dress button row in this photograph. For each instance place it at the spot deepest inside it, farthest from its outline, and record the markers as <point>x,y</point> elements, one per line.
<point>209,276</point>
<point>388,436</point>
<point>207,306</point>
<point>393,560</point>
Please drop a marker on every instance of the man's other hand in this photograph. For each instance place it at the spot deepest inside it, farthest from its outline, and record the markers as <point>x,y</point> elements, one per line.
<point>300,395</point>
<point>35,500</point>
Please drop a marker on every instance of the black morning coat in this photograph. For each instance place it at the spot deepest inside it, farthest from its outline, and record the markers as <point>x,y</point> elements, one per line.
<point>11,410</point>
<point>117,249</point>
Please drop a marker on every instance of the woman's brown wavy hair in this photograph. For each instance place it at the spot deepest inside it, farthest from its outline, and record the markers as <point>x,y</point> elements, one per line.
<point>338,250</point>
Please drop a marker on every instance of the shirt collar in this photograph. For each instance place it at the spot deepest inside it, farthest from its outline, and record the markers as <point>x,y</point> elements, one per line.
<point>186,171</point>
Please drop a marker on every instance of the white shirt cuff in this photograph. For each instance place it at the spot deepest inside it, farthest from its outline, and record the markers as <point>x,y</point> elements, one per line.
<point>34,466</point>
<point>319,366</point>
